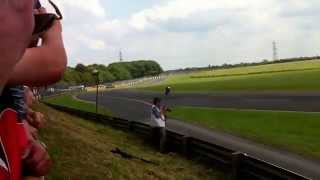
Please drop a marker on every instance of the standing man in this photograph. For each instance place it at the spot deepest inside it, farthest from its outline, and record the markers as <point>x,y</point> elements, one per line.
<point>167,91</point>
<point>158,121</point>
<point>16,27</point>
<point>35,66</point>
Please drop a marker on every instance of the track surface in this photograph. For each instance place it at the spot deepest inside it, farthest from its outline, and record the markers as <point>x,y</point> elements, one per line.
<point>135,106</point>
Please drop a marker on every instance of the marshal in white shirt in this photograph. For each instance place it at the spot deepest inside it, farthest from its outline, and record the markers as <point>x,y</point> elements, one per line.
<point>157,118</point>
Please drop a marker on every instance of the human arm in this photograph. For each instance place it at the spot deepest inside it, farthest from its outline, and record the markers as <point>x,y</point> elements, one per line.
<point>42,65</point>
<point>156,112</point>
<point>16,26</point>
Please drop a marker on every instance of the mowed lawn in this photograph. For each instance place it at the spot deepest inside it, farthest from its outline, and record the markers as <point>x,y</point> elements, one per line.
<point>68,100</point>
<point>82,150</point>
<point>294,77</point>
<point>294,131</point>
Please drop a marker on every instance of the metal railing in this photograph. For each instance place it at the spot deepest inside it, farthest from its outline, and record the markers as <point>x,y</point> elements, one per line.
<point>239,165</point>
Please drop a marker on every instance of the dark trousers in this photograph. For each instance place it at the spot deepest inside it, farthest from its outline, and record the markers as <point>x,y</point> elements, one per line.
<point>159,138</point>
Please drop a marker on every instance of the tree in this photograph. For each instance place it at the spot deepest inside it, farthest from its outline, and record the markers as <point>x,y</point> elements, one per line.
<point>81,68</point>
<point>82,74</point>
<point>106,76</point>
<point>119,72</point>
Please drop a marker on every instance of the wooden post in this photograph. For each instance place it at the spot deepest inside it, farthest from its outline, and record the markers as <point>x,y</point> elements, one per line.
<point>131,128</point>
<point>155,136</point>
<point>236,165</point>
<point>163,140</point>
<point>185,143</point>
<point>97,95</point>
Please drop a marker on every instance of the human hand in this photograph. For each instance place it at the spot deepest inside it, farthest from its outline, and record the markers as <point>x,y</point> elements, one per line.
<point>31,132</point>
<point>38,162</point>
<point>55,30</point>
<point>46,23</point>
<point>37,120</point>
<point>34,132</point>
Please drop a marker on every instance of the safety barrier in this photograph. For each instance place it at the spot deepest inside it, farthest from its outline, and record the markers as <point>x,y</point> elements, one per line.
<point>239,165</point>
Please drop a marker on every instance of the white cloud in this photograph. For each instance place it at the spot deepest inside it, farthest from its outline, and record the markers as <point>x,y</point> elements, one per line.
<point>183,9</point>
<point>184,33</point>
<point>91,43</point>
<point>92,6</point>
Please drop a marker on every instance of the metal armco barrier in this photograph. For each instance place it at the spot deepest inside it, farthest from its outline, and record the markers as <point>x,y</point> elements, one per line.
<point>237,164</point>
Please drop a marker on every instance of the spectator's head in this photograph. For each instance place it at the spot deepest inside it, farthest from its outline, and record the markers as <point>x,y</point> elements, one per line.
<point>157,101</point>
<point>16,27</point>
<point>28,96</point>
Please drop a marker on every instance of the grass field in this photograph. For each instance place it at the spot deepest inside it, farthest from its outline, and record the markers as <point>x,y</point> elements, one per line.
<point>294,131</point>
<point>81,150</point>
<point>268,68</point>
<point>295,76</point>
<point>69,101</point>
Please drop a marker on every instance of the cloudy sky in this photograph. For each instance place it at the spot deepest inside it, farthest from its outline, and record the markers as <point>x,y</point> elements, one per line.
<point>189,33</point>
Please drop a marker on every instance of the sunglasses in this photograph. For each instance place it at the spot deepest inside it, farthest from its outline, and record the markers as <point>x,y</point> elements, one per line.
<point>44,22</point>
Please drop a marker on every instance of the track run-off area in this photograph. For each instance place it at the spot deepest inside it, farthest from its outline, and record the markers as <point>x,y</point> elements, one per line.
<point>135,106</point>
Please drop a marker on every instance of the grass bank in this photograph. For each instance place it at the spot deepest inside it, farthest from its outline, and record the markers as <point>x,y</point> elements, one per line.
<point>68,100</point>
<point>294,77</point>
<point>81,150</point>
<point>258,69</point>
<point>293,131</point>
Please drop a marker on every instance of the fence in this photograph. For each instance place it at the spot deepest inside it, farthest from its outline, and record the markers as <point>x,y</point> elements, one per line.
<point>239,165</point>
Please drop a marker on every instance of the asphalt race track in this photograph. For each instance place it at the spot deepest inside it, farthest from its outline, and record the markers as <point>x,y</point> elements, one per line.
<point>308,102</point>
<point>135,106</point>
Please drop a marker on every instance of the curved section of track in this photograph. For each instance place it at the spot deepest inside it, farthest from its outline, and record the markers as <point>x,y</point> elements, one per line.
<point>308,102</point>
<point>135,106</point>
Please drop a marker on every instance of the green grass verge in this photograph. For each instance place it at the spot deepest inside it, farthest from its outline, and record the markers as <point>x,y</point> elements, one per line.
<point>268,68</point>
<point>68,100</point>
<point>81,150</point>
<point>294,131</point>
<point>295,77</point>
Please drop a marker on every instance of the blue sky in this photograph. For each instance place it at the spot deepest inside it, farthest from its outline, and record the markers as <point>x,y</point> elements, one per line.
<point>189,33</point>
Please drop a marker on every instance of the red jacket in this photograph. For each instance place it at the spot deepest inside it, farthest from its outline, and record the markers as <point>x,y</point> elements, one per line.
<point>13,141</point>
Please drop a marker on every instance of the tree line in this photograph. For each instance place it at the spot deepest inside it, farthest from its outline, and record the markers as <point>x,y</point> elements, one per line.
<point>83,75</point>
